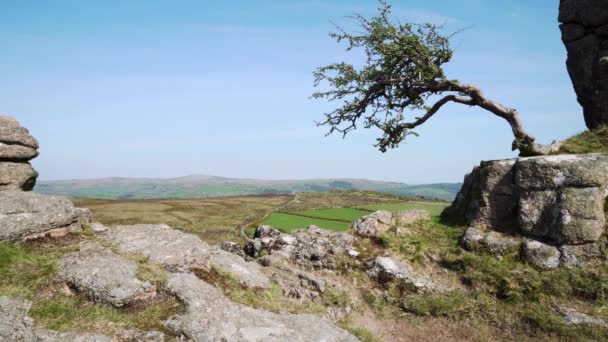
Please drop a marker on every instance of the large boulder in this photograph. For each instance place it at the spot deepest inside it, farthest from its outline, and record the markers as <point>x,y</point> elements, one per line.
<point>104,276</point>
<point>584,26</point>
<point>388,268</point>
<point>374,225</point>
<point>25,215</point>
<point>210,316</point>
<point>312,248</point>
<point>557,200</point>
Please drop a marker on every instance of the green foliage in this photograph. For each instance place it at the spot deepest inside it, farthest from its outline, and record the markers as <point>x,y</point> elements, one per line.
<point>403,65</point>
<point>593,141</point>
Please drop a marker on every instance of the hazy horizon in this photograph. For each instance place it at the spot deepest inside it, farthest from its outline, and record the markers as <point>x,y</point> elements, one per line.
<point>164,89</point>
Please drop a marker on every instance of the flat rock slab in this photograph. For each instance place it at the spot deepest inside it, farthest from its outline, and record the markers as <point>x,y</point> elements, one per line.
<point>248,273</point>
<point>15,325</point>
<point>211,316</point>
<point>23,214</point>
<point>176,251</point>
<point>104,276</point>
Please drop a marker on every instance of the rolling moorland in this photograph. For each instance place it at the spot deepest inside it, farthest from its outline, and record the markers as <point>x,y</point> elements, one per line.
<point>200,186</point>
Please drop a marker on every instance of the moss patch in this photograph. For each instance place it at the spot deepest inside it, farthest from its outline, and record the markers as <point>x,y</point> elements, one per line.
<point>594,141</point>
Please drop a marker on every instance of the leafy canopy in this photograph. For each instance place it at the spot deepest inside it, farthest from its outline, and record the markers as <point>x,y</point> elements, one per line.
<point>403,68</point>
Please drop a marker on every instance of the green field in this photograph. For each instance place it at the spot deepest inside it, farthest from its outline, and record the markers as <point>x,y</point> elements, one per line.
<point>288,223</point>
<point>342,214</point>
<point>341,219</point>
<point>434,208</point>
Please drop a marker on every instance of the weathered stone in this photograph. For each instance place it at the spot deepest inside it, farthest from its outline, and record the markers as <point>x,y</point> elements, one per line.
<point>25,214</point>
<point>212,317</point>
<point>12,133</point>
<point>17,176</point>
<point>488,197</point>
<point>409,217</point>
<point>44,335</point>
<point>16,153</point>
<point>574,255</point>
<point>572,32</point>
<point>585,34</point>
<point>230,246</point>
<point>390,268</point>
<point>373,225</point>
<point>265,231</point>
<point>561,171</point>
<point>491,242</point>
<point>556,199</point>
<point>312,248</point>
<point>176,251</point>
<point>15,325</point>
<point>571,316</point>
<point>99,228</point>
<point>248,273</point>
<point>584,12</point>
<point>104,276</point>
<point>540,255</point>
<point>85,215</point>
<point>582,217</point>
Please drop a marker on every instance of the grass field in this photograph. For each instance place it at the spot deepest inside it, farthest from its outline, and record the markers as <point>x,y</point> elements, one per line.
<point>287,222</point>
<point>341,219</point>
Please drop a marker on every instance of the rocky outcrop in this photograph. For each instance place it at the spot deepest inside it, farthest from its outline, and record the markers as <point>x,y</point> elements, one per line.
<point>496,243</point>
<point>27,215</point>
<point>380,222</point>
<point>181,252</point>
<point>17,148</point>
<point>389,268</point>
<point>104,276</point>
<point>556,200</point>
<point>313,248</point>
<point>211,316</point>
<point>584,26</point>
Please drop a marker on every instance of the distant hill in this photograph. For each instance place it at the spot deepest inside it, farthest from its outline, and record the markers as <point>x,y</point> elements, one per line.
<point>199,186</point>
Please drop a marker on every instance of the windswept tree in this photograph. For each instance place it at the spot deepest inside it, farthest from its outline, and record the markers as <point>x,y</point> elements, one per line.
<point>402,83</point>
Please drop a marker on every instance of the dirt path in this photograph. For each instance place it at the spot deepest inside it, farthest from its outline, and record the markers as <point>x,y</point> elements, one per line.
<point>246,224</point>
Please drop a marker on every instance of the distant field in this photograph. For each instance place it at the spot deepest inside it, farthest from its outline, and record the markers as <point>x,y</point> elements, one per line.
<point>344,214</point>
<point>287,222</point>
<point>217,219</point>
<point>341,219</point>
<point>434,208</point>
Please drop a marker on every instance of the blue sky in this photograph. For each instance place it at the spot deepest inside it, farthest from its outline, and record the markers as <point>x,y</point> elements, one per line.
<point>151,88</point>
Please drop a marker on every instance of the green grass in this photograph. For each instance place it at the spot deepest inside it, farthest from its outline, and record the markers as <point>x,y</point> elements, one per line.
<point>341,219</point>
<point>595,141</point>
<point>434,208</point>
<point>288,223</point>
<point>343,214</point>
